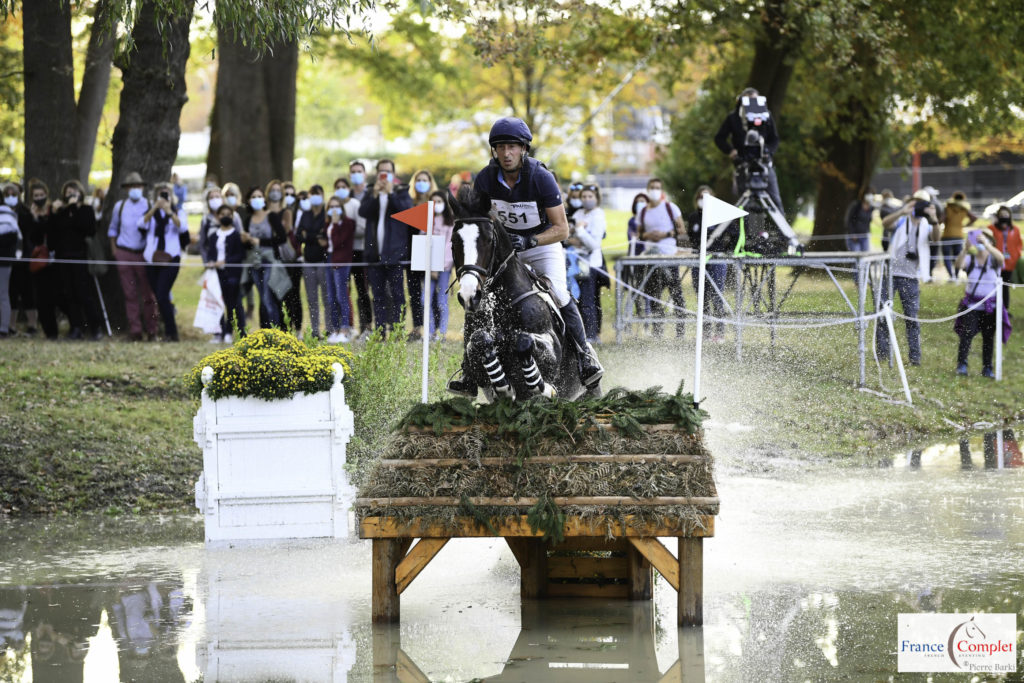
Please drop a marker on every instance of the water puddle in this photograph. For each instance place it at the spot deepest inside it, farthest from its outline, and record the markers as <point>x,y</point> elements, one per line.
<point>803,581</point>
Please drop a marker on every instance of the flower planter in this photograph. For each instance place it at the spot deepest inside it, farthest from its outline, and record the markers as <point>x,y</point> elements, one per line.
<point>274,469</point>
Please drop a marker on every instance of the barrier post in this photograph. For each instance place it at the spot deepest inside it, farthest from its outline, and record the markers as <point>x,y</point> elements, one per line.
<point>427,315</point>
<point>999,332</point>
<point>895,350</point>
<point>702,270</point>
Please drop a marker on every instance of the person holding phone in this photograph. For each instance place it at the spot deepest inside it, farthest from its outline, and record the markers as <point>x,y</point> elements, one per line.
<point>387,244</point>
<point>127,241</point>
<point>983,262</point>
<point>71,222</point>
<point>164,224</point>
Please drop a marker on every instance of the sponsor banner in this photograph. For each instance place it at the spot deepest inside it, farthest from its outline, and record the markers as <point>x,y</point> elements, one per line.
<point>959,643</point>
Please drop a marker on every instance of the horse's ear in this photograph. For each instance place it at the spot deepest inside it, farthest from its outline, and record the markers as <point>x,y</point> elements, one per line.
<point>468,203</point>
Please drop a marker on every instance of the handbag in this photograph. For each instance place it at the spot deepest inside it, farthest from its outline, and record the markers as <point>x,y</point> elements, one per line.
<point>287,252</point>
<point>40,252</point>
<point>160,256</point>
<point>184,239</point>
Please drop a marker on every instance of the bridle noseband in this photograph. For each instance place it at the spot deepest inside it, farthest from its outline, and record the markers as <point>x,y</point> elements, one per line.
<point>482,273</point>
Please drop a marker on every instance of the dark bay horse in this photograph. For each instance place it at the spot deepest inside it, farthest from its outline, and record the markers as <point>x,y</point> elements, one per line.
<point>515,339</point>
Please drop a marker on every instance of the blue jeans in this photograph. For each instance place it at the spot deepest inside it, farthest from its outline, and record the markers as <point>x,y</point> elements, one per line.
<point>950,249</point>
<point>268,301</point>
<point>439,303</point>
<point>337,296</point>
<point>910,296</point>
<point>388,293</point>
<point>862,243</point>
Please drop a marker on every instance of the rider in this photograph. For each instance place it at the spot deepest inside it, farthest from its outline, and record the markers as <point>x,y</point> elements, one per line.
<point>527,202</point>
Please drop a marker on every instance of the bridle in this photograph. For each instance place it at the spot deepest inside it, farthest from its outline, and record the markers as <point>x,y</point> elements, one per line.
<point>481,273</point>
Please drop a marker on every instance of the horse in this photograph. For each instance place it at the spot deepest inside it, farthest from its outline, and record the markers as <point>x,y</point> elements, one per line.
<point>515,342</point>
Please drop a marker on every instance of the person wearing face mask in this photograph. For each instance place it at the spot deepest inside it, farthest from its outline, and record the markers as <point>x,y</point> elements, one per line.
<point>572,198</point>
<point>716,272</point>
<point>312,235</point>
<point>71,223</point>
<point>916,226</point>
<point>357,178</point>
<point>341,227</point>
<point>422,186</point>
<point>634,275</point>
<point>267,274</point>
<point>127,242</point>
<point>586,231</point>
<point>1007,239</point>
<point>10,238</point>
<point>98,196</point>
<point>661,222</point>
<point>279,211</point>
<point>387,244</point>
<point>224,251</point>
<point>982,260</point>
<point>44,281</point>
<point>164,224</point>
<point>23,294</point>
<point>444,225</point>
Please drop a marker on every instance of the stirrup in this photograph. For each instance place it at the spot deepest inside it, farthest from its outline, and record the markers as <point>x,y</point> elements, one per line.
<point>463,387</point>
<point>591,371</point>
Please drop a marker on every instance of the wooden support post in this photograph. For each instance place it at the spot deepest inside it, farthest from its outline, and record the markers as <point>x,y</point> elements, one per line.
<point>659,556</point>
<point>386,645</point>
<point>534,581</point>
<point>416,561</point>
<point>640,575</point>
<point>387,553</point>
<point>691,581</point>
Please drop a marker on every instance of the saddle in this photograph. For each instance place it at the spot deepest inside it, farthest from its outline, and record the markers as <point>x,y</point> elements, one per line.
<point>542,288</point>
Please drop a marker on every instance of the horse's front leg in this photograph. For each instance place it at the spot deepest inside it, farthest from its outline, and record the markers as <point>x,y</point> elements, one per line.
<point>528,347</point>
<point>482,346</point>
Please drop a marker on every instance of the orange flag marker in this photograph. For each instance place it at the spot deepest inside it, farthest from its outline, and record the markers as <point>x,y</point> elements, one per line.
<point>418,216</point>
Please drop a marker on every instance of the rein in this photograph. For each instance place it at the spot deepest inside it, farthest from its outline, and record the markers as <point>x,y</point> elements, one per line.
<point>480,272</point>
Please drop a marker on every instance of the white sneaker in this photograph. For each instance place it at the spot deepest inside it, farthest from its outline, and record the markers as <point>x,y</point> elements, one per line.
<point>343,338</point>
<point>216,339</point>
<point>228,339</point>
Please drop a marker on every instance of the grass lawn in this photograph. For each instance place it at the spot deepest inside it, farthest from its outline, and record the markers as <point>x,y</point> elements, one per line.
<point>107,426</point>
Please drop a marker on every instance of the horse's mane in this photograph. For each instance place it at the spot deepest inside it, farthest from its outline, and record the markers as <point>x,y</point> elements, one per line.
<point>468,204</point>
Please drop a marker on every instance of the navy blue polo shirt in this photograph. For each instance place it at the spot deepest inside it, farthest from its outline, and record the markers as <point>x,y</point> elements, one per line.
<point>523,207</point>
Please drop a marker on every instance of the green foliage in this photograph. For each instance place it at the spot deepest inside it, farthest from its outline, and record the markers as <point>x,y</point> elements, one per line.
<point>269,364</point>
<point>529,423</point>
<point>483,521</point>
<point>548,518</point>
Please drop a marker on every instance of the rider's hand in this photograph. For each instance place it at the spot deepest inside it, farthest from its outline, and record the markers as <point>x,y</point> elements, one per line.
<point>522,242</point>
<point>733,154</point>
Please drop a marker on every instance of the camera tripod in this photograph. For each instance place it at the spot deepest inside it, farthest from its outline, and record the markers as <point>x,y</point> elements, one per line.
<point>761,210</point>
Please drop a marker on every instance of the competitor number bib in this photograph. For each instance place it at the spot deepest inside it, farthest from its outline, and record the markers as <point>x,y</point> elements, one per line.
<point>517,215</point>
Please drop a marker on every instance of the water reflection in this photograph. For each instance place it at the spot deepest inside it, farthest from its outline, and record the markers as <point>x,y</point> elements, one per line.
<point>999,449</point>
<point>55,632</point>
<point>569,640</point>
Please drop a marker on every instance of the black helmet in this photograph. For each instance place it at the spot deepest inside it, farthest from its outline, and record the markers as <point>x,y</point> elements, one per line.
<point>510,129</point>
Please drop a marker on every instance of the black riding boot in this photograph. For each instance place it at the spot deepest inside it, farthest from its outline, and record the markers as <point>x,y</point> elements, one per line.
<point>463,386</point>
<point>590,368</point>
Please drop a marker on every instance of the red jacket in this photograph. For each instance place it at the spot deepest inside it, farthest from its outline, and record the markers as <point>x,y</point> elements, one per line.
<point>1013,248</point>
<point>342,237</point>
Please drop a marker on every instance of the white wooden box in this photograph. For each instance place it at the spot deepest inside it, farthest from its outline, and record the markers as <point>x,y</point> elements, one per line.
<point>274,469</point>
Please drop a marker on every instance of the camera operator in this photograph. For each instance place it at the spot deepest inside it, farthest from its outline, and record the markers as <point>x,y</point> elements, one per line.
<point>746,119</point>
<point>916,226</point>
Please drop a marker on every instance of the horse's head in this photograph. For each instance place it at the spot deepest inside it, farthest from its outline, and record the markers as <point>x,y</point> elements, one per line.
<point>479,246</point>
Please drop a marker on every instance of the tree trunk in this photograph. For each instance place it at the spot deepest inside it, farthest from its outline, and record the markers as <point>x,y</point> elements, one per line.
<point>252,131</point>
<point>774,55</point>
<point>148,130</point>
<point>843,177</point>
<point>50,139</point>
<point>95,81</point>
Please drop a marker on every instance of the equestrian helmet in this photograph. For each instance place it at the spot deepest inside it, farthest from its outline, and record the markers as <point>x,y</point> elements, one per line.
<point>510,129</point>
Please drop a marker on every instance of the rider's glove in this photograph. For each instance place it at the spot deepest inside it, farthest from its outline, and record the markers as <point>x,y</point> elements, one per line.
<point>522,242</point>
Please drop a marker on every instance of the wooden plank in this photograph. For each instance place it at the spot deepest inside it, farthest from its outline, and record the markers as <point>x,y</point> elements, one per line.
<point>458,429</point>
<point>587,567</point>
<point>641,579</point>
<point>509,501</point>
<point>518,546</point>
<point>416,561</point>
<point>545,460</point>
<point>691,582</point>
<point>592,544</point>
<point>588,590</point>
<point>407,671</point>
<point>659,556</point>
<point>387,552</point>
<point>467,527</point>
<point>533,582</point>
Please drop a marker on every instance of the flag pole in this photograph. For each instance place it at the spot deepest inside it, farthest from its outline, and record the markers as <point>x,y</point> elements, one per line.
<point>427,315</point>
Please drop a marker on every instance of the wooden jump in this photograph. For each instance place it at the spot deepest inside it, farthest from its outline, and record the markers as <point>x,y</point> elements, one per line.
<point>624,569</point>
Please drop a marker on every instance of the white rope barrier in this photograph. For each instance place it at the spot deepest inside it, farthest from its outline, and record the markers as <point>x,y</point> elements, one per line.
<point>200,264</point>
